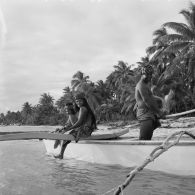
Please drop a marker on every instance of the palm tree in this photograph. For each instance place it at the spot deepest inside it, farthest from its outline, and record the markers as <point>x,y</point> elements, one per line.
<point>46,100</point>
<point>45,111</point>
<point>67,90</point>
<point>26,108</point>
<point>79,80</point>
<point>93,96</point>
<point>26,113</point>
<point>81,83</point>
<point>182,43</point>
<point>158,45</point>
<point>122,83</point>
<point>143,61</point>
<point>123,73</point>
<point>103,90</point>
<point>119,78</point>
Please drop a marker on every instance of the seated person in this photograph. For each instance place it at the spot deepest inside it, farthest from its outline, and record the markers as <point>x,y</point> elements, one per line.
<point>71,111</point>
<point>85,124</point>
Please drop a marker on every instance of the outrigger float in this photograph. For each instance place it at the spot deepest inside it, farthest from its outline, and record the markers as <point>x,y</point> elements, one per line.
<point>116,147</point>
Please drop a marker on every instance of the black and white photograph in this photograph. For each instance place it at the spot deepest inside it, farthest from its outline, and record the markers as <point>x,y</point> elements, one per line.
<point>97,97</point>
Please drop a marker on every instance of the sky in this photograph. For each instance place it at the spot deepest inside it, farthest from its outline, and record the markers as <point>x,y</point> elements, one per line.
<point>43,43</point>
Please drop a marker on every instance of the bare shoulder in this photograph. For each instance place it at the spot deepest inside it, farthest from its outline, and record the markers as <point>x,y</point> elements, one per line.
<point>140,84</point>
<point>83,109</point>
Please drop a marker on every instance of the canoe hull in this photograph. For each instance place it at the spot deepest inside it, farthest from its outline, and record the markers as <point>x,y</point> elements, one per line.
<point>178,160</point>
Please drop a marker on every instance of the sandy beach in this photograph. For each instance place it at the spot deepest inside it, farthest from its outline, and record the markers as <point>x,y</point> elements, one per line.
<point>168,127</point>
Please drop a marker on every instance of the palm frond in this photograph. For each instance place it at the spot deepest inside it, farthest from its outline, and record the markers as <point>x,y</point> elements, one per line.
<point>78,74</point>
<point>192,8</point>
<point>184,54</point>
<point>173,38</point>
<point>175,47</point>
<point>159,33</point>
<point>150,50</point>
<point>180,28</point>
<point>74,83</point>
<point>187,15</point>
<point>157,54</point>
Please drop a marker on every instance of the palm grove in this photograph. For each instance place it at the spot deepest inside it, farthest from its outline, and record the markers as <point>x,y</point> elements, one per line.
<point>172,56</point>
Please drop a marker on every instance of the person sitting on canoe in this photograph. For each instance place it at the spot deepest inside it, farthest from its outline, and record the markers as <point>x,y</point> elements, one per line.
<point>147,108</point>
<point>71,110</point>
<point>85,124</point>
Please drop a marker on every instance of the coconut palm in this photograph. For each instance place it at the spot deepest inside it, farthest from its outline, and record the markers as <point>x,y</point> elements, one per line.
<point>26,108</point>
<point>123,73</point>
<point>128,99</point>
<point>81,83</point>
<point>92,95</point>
<point>68,96</point>
<point>103,90</point>
<point>79,80</point>
<point>45,111</point>
<point>182,43</point>
<point>143,61</point>
<point>26,113</point>
<point>46,100</point>
<point>122,82</point>
<point>158,45</point>
<point>119,78</point>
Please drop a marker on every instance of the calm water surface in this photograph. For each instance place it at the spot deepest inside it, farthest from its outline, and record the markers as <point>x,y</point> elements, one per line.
<point>25,169</point>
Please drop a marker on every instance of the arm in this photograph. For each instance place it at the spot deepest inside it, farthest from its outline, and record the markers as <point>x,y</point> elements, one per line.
<point>66,126</point>
<point>148,99</point>
<point>81,117</point>
<point>68,123</point>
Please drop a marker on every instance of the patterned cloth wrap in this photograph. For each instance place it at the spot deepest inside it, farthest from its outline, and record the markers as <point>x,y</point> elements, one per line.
<point>77,133</point>
<point>81,132</point>
<point>144,114</point>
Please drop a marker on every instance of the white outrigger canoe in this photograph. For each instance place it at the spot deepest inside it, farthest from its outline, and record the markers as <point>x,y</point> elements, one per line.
<point>115,147</point>
<point>129,152</point>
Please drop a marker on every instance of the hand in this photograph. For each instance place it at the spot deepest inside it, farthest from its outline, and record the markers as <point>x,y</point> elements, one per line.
<point>56,130</point>
<point>162,115</point>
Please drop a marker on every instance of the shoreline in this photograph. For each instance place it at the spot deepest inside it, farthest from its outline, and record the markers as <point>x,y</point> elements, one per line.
<point>168,127</point>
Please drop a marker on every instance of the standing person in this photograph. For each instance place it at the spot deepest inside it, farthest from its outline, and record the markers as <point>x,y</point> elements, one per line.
<point>147,109</point>
<point>85,124</point>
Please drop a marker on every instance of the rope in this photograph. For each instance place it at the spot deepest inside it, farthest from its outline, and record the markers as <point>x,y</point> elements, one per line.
<point>152,156</point>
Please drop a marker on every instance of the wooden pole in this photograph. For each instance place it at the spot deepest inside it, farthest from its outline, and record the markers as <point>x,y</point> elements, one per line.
<point>180,114</point>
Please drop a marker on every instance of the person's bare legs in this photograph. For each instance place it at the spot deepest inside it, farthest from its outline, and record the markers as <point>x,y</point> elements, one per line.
<point>56,143</point>
<point>146,129</point>
<point>64,145</point>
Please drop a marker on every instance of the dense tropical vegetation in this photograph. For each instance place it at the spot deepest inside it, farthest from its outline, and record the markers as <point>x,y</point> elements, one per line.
<point>173,57</point>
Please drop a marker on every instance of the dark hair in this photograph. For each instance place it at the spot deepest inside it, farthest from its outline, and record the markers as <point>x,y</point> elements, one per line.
<point>69,104</point>
<point>72,109</point>
<point>85,104</point>
<point>76,108</point>
<point>147,69</point>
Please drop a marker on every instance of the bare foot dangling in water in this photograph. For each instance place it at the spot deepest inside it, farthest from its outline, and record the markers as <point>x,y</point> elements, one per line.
<point>59,156</point>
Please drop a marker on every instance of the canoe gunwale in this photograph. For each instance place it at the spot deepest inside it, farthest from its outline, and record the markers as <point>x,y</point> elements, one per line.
<point>121,141</point>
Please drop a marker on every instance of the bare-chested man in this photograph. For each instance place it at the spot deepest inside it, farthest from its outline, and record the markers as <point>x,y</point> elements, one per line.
<point>148,110</point>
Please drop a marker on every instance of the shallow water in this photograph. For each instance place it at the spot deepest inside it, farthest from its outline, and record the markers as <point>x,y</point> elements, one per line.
<point>27,170</point>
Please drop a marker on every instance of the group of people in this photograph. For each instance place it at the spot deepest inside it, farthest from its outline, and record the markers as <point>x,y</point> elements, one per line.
<point>82,122</point>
